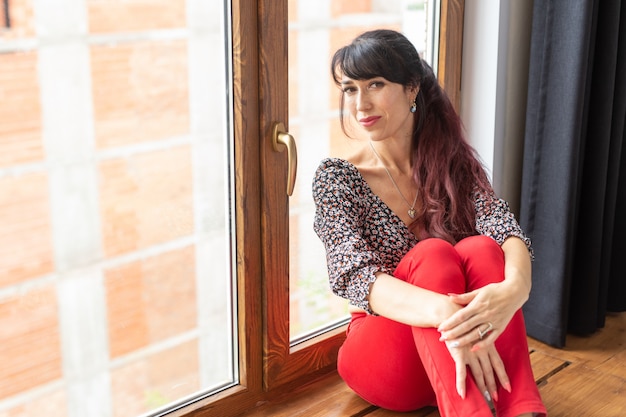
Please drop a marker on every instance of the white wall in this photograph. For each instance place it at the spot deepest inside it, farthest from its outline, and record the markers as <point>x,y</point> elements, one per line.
<point>494,82</point>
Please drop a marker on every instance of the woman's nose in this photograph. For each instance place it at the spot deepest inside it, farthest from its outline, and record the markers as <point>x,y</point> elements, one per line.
<point>362,101</point>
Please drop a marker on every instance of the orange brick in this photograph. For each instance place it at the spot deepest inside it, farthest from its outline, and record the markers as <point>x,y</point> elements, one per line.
<point>20,112</point>
<point>30,350</point>
<point>49,405</point>
<point>340,7</point>
<point>25,230</point>
<point>146,200</point>
<point>140,92</point>
<point>133,15</point>
<point>22,20</point>
<point>150,300</point>
<point>126,309</point>
<point>155,380</point>
<point>171,293</point>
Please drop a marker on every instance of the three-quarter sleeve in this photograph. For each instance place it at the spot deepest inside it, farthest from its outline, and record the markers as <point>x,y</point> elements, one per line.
<point>494,218</point>
<point>340,224</point>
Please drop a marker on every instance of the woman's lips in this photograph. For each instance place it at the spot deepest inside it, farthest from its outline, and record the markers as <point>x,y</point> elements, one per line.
<point>369,121</point>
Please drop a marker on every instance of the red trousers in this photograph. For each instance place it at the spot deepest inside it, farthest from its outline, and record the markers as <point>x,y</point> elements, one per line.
<point>402,368</point>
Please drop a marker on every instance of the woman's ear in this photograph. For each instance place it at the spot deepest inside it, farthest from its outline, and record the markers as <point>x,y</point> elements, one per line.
<point>412,92</point>
<point>415,90</point>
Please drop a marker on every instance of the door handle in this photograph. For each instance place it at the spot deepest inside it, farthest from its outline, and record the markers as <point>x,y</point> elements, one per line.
<point>282,140</point>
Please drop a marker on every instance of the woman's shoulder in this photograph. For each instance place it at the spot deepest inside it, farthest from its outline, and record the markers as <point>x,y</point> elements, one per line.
<point>336,163</point>
<point>338,177</point>
<point>336,167</point>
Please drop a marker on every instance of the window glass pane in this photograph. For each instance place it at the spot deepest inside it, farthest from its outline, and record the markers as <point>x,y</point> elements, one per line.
<point>316,30</point>
<point>116,283</point>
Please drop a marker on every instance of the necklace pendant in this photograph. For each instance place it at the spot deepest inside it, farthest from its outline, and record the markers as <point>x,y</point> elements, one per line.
<point>411,213</point>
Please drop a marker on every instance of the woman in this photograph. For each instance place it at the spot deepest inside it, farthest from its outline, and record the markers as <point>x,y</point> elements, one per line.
<point>435,267</point>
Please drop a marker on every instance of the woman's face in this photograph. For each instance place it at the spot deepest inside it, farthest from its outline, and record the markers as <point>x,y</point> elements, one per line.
<point>380,108</point>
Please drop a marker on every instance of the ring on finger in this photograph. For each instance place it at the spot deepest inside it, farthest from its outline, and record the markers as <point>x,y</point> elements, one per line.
<point>483,333</point>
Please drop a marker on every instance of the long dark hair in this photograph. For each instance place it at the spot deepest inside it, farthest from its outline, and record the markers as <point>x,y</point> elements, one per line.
<point>445,167</point>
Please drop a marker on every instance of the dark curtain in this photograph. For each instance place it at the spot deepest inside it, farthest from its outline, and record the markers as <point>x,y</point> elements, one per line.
<point>573,203</point>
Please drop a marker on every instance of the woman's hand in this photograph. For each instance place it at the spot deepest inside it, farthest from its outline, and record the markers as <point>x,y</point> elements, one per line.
<point>485,366</point>
<point>486,314</point>
<point>488,310</point>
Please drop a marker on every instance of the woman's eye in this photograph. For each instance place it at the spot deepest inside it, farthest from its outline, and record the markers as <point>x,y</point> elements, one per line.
<point>376,84</point>
<point>348,90</point>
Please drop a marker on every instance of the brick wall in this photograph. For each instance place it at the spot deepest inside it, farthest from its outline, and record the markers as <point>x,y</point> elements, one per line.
<point>30,341</point>
<point>25,230</point>
<point>100,196</point>
<point>21,16</point>
<point>134,15</point>
<point>140,92</point>
<point>20,130</point>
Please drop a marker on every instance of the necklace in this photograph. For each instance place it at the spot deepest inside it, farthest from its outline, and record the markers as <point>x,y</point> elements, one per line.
<point>411,211</point>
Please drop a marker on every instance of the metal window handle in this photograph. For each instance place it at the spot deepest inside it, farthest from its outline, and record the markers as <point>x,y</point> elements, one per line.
<point>280,141</point>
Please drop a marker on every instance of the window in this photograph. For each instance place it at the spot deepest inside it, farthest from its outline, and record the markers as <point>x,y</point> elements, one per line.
<point>116,243</point>
<point>145,228</point>
<point>316,29</point>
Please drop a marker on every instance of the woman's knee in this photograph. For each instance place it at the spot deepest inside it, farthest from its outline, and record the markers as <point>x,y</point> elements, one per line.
<point>433,245</point>
<point>478,245</point>
<point>427,253</point>
<point>483,260</point>
<point>433,264</point>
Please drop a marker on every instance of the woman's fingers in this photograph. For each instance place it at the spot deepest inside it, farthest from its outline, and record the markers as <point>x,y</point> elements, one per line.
<point>485,305</point>
<point>466,320</point>
<point>460,358</point>
<point>489,376</point>
<point>462,299</point>
<point>486,367</point>
<point>461,374</point>
<point>499,368</point>
<point>479,323</point>
<point>461,333</point>
<point>478,336</point>
<point>489,367</point>
<point>487,340</point>
<point>460,316</point>
<point>479,374</point>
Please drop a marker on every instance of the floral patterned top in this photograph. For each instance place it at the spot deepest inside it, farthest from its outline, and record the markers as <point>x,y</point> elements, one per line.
<point>363,236</point>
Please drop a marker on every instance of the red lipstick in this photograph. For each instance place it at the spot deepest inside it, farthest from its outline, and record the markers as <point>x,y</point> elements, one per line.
<point>369,121</point>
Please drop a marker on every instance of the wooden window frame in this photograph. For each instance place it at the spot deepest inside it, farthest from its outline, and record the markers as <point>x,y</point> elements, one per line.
<point>268,365</point>
<point>451,48</point>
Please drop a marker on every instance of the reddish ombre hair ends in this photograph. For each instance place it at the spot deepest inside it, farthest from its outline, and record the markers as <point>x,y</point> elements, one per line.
<point>445,167</point>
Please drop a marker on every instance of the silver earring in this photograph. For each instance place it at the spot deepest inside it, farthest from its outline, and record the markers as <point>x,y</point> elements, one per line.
<point>413,107</point>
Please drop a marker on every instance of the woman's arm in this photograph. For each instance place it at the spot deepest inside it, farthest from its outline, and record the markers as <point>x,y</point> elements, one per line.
<point>405,303</point>
<point>517,269</point>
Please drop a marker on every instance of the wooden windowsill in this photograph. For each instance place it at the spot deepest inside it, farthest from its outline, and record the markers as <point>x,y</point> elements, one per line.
<point>588,378</point>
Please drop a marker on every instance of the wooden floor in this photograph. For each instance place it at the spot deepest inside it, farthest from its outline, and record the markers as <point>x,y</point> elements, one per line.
<point>586,378</point>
